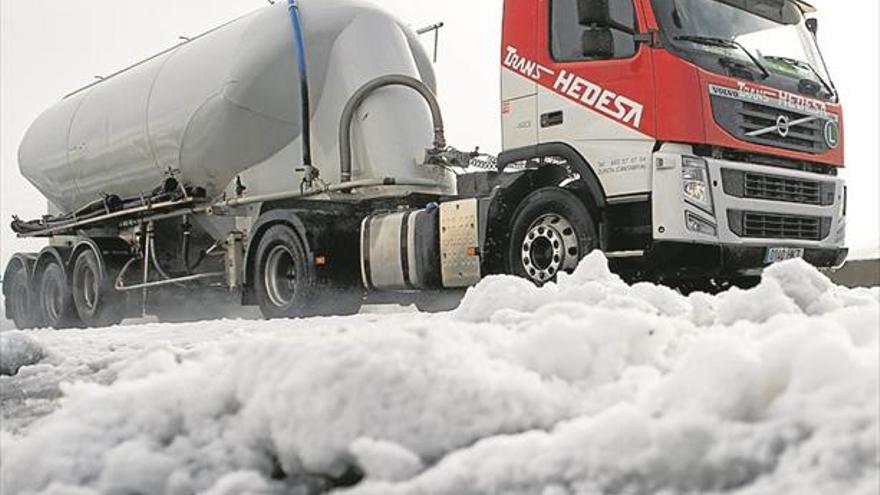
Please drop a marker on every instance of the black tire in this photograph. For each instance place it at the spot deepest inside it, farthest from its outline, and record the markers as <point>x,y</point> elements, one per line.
<point>285,282</point>
<point>57,309</point>
<point>21,303</point>
<point>304,294</point>
<point>551,231</point>
<point>97,302</point>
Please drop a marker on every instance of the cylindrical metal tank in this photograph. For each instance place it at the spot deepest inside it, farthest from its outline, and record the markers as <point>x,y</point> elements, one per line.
<point>228,104</point>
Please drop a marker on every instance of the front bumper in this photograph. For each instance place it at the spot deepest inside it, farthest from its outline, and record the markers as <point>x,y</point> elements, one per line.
<point>725,247</point>
<point>678,260</point>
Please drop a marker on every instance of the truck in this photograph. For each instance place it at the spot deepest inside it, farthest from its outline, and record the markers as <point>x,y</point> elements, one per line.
<point>295,160</point>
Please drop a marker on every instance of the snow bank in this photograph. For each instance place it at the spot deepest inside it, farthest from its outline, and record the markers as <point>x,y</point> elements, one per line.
<point>586,386</point>
<point>17,350</point>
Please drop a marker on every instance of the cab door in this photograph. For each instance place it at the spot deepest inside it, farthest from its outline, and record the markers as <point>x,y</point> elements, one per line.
<point>519,85</point>
<point>598,95</point>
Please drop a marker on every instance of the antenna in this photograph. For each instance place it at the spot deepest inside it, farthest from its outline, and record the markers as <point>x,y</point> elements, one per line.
<point>435,28</point>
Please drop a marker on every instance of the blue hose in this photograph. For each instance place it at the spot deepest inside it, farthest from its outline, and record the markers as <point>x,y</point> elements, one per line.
<point>299,41</point>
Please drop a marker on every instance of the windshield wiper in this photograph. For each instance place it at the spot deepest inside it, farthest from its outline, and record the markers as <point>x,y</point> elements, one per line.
<point>806,65</point>
<point>727,43</point>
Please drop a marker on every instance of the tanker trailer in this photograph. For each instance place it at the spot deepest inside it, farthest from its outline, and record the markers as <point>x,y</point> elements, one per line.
<point>169,167</point>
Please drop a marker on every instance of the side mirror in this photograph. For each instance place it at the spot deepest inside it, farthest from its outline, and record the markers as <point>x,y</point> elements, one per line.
<point>594,12</point>
<point>615,14</point>
<point>598,43</point>
<point>813,25</point>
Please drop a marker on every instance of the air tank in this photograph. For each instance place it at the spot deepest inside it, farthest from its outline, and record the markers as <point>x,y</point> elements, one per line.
<point>228,104</point>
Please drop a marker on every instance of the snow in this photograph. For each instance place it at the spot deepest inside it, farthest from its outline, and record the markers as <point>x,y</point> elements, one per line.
<point>588,386</point>
<point>385,461</point>
<point>17,350</point>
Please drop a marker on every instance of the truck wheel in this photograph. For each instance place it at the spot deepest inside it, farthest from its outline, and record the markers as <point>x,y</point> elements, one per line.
<point>285,283</point>
<point>551,232</point>
<point>97,302</point>
<point>21,305</point>
<point>56,300</point>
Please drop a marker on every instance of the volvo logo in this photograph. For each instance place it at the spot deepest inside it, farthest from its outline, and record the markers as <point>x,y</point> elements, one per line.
<point>783,125</point>
<point>832,134</point>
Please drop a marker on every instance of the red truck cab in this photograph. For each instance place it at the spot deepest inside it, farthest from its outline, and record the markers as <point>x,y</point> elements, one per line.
<point>711,128</point>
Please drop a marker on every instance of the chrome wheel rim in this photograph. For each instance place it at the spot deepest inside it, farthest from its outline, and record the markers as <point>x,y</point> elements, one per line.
<point>280,276</point>
<point>549,247</point>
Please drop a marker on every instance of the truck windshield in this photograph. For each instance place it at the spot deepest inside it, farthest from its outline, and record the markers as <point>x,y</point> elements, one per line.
<point>766,41</point>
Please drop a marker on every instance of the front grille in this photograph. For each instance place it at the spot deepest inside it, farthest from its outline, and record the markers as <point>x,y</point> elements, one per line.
<point>777,226</point>
<point>768,187</point>
<point>744,118</point>
<point>760,186</point>
<point>808,136</point>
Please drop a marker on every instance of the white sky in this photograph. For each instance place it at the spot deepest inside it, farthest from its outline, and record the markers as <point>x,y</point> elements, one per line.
<point>50,47</point>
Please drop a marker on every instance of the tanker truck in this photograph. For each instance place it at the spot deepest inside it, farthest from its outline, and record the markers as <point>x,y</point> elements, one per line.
<point>295,160</point>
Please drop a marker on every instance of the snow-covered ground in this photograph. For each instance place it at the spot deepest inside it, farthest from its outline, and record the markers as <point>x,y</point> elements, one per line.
<point>590,386</point>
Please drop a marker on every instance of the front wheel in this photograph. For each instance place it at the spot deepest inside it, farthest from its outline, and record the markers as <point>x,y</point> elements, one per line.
<point>551,232</point>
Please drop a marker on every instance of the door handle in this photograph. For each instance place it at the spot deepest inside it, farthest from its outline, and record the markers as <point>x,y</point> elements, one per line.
<point>552,119</point>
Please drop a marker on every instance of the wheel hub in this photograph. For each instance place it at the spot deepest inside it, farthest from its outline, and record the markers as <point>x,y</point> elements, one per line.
<point>550,246</point>
<point>280,276</point>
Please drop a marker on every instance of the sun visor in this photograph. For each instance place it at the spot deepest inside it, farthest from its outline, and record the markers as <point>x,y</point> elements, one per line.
<point>774,10</point>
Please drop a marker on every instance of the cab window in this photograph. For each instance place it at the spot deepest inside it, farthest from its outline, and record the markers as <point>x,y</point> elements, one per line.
<point>582,30</point>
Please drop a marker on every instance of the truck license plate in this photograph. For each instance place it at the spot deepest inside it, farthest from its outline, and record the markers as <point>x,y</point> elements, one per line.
<point>777,254</point>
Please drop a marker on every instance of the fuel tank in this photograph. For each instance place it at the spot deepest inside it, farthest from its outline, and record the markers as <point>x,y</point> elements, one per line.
<point>228,104</point>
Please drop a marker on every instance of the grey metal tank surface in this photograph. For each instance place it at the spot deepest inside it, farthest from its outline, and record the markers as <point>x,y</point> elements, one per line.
<point>228,104</point>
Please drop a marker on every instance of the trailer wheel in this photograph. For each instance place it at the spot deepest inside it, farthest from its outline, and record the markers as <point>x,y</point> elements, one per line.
<point>21,305</point>
<point>286,284</point>
<point>57,309</point>
<point>97,302</point>
<point>551,232</point>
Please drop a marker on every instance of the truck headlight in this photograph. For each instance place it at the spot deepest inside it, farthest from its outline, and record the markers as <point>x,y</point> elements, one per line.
<point>695,184</point>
